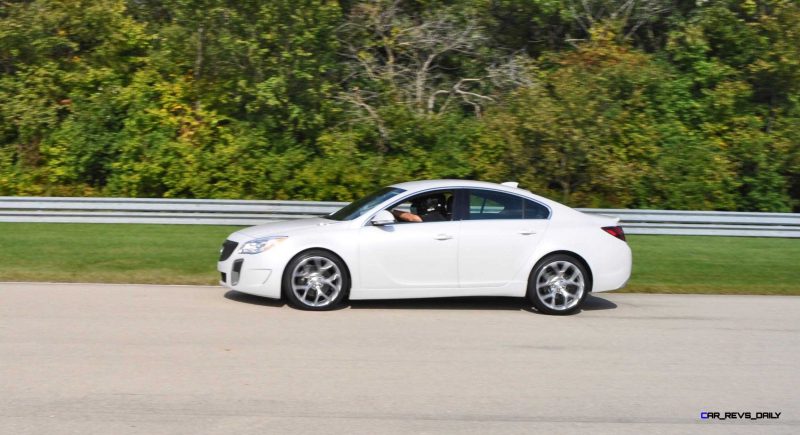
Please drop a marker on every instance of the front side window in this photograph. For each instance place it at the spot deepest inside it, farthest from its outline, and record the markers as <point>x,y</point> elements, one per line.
<point>365,204</point>
<point>434,206</point>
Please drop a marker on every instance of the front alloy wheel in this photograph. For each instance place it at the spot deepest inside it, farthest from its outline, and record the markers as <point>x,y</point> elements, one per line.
<point>316,281</point>
<point>558,285</point>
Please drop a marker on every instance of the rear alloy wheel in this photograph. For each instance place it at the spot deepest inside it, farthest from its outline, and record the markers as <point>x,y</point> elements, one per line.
<point>558,285</point>
<point>316,280</point>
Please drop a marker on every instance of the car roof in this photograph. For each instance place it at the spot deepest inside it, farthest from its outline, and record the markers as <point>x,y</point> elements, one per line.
<point>434,184</point>
<point>415,186</point>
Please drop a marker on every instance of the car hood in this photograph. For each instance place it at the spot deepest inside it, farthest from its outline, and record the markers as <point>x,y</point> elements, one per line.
<point>286,228</point>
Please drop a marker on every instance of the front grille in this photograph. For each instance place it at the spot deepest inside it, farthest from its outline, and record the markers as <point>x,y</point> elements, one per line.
<point>227,249</point>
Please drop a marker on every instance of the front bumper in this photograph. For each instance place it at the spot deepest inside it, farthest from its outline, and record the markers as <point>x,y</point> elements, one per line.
<point>255,274</point>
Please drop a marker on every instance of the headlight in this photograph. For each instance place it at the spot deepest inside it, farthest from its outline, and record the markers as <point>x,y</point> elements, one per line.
<point>260,245</point>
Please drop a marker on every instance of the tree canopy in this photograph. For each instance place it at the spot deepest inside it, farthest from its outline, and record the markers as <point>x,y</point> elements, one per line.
<point>679,104</point>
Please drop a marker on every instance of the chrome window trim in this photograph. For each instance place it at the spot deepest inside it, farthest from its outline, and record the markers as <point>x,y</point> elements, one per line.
<point>432,189</point>
<point>549,209</point>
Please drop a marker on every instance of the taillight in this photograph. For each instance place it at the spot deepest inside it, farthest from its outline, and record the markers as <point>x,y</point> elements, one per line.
<point>616,232</point>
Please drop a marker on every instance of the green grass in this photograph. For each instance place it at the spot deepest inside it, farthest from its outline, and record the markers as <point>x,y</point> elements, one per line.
<point>124,253</point>
<point>187,254</point>
<point>705,264</point>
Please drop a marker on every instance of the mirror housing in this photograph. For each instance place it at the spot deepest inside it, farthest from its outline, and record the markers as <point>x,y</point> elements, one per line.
<point>383,217</point>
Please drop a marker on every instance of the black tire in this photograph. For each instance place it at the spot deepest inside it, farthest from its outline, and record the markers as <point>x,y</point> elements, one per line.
<point>310,281</point>
<point>550,290</point>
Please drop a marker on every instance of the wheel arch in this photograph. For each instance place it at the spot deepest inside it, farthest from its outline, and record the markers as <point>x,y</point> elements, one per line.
<point>316,248</point>
<point>572,254</point>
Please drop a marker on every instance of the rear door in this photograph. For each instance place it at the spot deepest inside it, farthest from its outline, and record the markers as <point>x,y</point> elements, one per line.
<point>498,236</point>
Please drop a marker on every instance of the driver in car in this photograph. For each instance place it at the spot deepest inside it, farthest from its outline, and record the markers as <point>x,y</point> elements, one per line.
<point>425,209</point>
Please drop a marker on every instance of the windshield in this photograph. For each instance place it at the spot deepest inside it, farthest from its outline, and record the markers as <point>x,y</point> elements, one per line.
<point>363,205</point>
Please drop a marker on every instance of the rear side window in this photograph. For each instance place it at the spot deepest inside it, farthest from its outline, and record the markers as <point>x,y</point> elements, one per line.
<point>488,204</point>
<point>534,210</point>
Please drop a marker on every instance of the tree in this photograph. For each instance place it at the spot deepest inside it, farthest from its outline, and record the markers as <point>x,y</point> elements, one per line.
<point>600,130</point>
<point>61,60</point>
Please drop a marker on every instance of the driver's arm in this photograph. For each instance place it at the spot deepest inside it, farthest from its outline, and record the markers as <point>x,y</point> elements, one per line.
<point>406,216</point>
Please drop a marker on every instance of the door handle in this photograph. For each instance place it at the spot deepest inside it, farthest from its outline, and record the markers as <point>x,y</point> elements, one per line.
<point>527,232</point>
<point>443,237</point>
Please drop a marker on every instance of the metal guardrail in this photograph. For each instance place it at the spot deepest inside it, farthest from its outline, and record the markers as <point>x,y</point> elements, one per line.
<point>236,212</point>
<point>705,223</point>
<point>157,211</point>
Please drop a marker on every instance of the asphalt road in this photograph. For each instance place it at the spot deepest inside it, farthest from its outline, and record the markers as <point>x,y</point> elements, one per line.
<point>79,358</point>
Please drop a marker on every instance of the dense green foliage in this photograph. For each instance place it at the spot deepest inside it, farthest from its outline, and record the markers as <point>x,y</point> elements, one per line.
<point>682,104</point>
<point>185,254</point>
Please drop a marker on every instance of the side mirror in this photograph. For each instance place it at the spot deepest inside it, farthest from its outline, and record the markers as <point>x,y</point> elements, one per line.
<point>383,217</point>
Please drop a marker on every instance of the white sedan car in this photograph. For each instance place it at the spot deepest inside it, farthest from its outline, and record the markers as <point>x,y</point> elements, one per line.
<point>435,238</point>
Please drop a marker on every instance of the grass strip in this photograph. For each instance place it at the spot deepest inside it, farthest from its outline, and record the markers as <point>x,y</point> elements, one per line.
<point>715,265</point>
<point>112,253</point>
<point>187,254</point>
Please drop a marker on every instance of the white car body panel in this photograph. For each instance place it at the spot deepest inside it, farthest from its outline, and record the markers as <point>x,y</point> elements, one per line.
<point>436,259</point>
<point>409,255</point>
<point>493,253</point>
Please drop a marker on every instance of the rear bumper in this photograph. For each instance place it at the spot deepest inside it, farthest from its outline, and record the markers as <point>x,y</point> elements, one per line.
<point>614,269</point>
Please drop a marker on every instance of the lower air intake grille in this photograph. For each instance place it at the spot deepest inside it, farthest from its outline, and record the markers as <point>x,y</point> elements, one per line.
<point>237,271</point>
<point>227,249</point>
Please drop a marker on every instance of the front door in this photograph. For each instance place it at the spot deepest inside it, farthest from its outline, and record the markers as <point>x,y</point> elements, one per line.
<point>411,259</point>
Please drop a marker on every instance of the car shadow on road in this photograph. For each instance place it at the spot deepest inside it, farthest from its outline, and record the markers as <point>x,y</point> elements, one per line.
<point>233,295</point>
<point>596,303</point>
<point>593,303</point>
<point>465,303</point>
